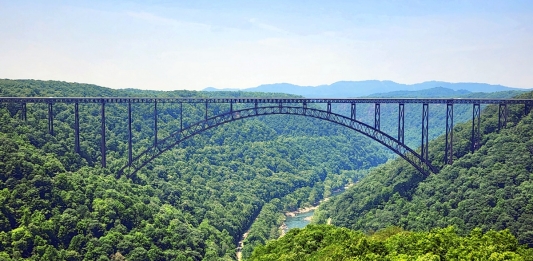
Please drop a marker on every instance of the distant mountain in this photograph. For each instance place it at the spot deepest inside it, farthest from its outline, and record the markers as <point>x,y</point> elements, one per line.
<point>435,92</point>
<point>213,89</point>
<point>365,88</point>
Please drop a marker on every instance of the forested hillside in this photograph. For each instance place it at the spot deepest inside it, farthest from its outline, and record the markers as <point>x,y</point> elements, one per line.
<point>488,189</point>
<point>192,203</point>
<point>323,242</point>
<point>195,201</point>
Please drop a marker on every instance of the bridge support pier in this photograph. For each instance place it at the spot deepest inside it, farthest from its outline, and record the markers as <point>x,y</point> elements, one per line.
<point>401,123</point>
<point>377,116</point>
<point>502,116</point>
<point>283,106</point>
<point>448,150</point>
<point>205,116</point>
<point>476,127</point>
<point>130,136</point>
<point>23,113</point>
<point>353,114</point>
<point>76,128</point>
<point>155,121</point>
<point>425,128</point>
<point>527,109</point>
<point>231,109</point>
<point>102,134</point>
<point>50,119</point>
<point>181,115</point>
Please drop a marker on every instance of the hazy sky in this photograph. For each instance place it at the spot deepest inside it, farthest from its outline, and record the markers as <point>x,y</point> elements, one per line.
<point>169,45</point>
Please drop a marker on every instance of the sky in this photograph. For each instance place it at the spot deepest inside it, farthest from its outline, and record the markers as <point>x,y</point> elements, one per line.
<point>176,45</point>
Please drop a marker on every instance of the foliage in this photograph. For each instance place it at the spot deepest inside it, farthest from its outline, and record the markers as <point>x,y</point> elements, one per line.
<point>192,203</point>
<point>322,242</point>
<point>489,189</point>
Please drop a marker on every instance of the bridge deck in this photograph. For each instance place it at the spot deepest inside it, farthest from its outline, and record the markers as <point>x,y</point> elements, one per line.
<point>259,100</point>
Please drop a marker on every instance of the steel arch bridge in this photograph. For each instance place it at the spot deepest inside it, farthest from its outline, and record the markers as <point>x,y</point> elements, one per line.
<point>276,106</point>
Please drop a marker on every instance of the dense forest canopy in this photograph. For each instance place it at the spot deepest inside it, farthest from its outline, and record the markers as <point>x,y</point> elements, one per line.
<point>323,242</point>
<point>488,189</point>
<point>195,201</point>
<point>192,203</point>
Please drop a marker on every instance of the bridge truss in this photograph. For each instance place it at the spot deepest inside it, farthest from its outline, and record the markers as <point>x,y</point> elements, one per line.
<point>272,106</point>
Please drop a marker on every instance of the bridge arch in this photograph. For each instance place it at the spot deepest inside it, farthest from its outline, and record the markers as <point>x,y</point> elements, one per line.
<point>175,138</point>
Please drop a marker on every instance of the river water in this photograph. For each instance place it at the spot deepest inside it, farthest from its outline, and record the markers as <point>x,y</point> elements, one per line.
<point>299,220</point>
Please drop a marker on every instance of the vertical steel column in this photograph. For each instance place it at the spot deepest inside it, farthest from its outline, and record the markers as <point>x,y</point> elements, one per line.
<point>476,122</point>
<point>231,108</point>
<point>280,105</point>
<point>155,123</point>
<point>401,123</point>
<point>255,106</point>
<point>305,107</point>
<point>76,128</point>
<point>377,115</point>
<point>448,154</point>
<point>353,114</point>
<point>23,112</point>
<point>425,128</point>
<point>181,115</point>
<point>527,109</point>
<point>102,134</point>
<point>329,107</point>
<point>205,118</point>
<point>502,116</point>
<point>130,136</point>
<point>50,119</point>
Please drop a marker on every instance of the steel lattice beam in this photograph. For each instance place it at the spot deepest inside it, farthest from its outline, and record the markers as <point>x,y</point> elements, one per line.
<point>281,108</point>
<point>50,119</point>
<point>377,116</point>
<point>476,127</point>
<point>401,122</point>
<point>181,115</point>
<point>175,138</point>
<point>102,136</point>
<point>502,116</point>
<point>130,136</point>
<point>76,128</point>
<point>448,150</point>
<point>155,122</point>
<point>353,111</point>
<point>259,100</point>
<point>425,124</point>
<point>23,113</point>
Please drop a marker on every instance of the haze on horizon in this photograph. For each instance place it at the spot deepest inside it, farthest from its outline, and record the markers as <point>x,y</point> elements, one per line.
<point>163,45</point>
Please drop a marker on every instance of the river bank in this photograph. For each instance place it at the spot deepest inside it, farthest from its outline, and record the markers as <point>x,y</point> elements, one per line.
<point>240,245</point>
<point>300,218</point>
<point>303,216</point>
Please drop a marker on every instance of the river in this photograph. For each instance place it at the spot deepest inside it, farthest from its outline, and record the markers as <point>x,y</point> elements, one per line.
<point>299,220</point>
<point>302,217</point>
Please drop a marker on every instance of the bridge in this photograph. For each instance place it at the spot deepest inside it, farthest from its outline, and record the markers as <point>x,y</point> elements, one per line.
<point>252,107</point>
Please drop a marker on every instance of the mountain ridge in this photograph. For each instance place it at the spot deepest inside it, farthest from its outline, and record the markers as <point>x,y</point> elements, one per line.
<point>366,88</point>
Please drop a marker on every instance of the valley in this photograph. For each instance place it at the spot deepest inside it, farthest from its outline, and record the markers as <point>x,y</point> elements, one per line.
<point>195,201</point>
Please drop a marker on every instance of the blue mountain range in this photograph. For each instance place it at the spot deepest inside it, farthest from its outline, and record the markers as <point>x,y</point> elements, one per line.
<point>345,89</point>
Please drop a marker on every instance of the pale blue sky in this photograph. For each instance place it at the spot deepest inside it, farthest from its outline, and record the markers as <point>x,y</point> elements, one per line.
<point>169,45</point>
